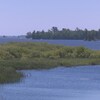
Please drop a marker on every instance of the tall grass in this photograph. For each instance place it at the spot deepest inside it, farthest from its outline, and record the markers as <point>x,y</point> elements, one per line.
<point>18,56</point>
<point>9,74</point>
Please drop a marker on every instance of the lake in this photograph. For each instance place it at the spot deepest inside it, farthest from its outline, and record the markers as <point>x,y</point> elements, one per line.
<point>89,44</point>
<point>79,83</point>
<point>75,83</point>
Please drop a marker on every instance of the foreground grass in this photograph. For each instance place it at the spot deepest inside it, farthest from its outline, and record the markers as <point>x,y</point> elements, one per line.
<point>8,71</point>
<point>8,75</point>
<point>47,63</point>
<point>20,56</point>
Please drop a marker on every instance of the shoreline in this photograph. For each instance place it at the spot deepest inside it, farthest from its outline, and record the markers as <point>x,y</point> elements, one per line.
<point>18,75</point>
<point>21,56</point>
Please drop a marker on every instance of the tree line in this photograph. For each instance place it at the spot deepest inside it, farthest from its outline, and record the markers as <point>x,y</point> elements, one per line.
<point>68,34</point>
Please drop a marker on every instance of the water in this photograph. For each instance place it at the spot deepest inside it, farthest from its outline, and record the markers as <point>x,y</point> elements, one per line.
<point>80,83</point>
<point>89,44</point>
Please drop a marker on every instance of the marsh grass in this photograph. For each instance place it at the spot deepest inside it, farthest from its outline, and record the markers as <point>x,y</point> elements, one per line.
<point>8,75</point>
<point>20,56</point>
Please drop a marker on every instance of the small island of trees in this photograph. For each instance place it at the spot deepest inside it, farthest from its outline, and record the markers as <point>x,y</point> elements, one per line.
<point>55,33</point>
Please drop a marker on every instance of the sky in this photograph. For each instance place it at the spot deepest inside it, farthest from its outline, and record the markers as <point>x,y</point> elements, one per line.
<point>17,17</point>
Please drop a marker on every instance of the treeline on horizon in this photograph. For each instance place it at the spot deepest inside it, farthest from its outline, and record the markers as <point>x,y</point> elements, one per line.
<point>55,33</point>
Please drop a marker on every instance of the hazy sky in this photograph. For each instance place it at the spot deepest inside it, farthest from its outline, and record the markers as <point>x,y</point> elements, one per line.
<point>20,16</point>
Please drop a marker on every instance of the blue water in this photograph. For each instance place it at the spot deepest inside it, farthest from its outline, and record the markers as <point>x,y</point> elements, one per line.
<point>89,44</point>
<point>79,83</point>
<point>76,83</point>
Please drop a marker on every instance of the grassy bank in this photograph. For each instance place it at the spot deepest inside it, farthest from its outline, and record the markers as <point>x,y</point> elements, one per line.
<point>18,56</point>
<point>8,75</point>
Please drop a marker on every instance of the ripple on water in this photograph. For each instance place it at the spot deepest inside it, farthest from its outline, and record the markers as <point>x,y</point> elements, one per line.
<point>79,83</point>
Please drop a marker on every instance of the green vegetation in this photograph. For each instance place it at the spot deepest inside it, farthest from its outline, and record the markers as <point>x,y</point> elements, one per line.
<point>55,33</point>
<point>9,75</point>
<point>18,56</point>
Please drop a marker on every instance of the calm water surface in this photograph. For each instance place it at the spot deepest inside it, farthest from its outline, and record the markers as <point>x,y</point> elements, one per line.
<point>80,83</point>
<point>92,45</point>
